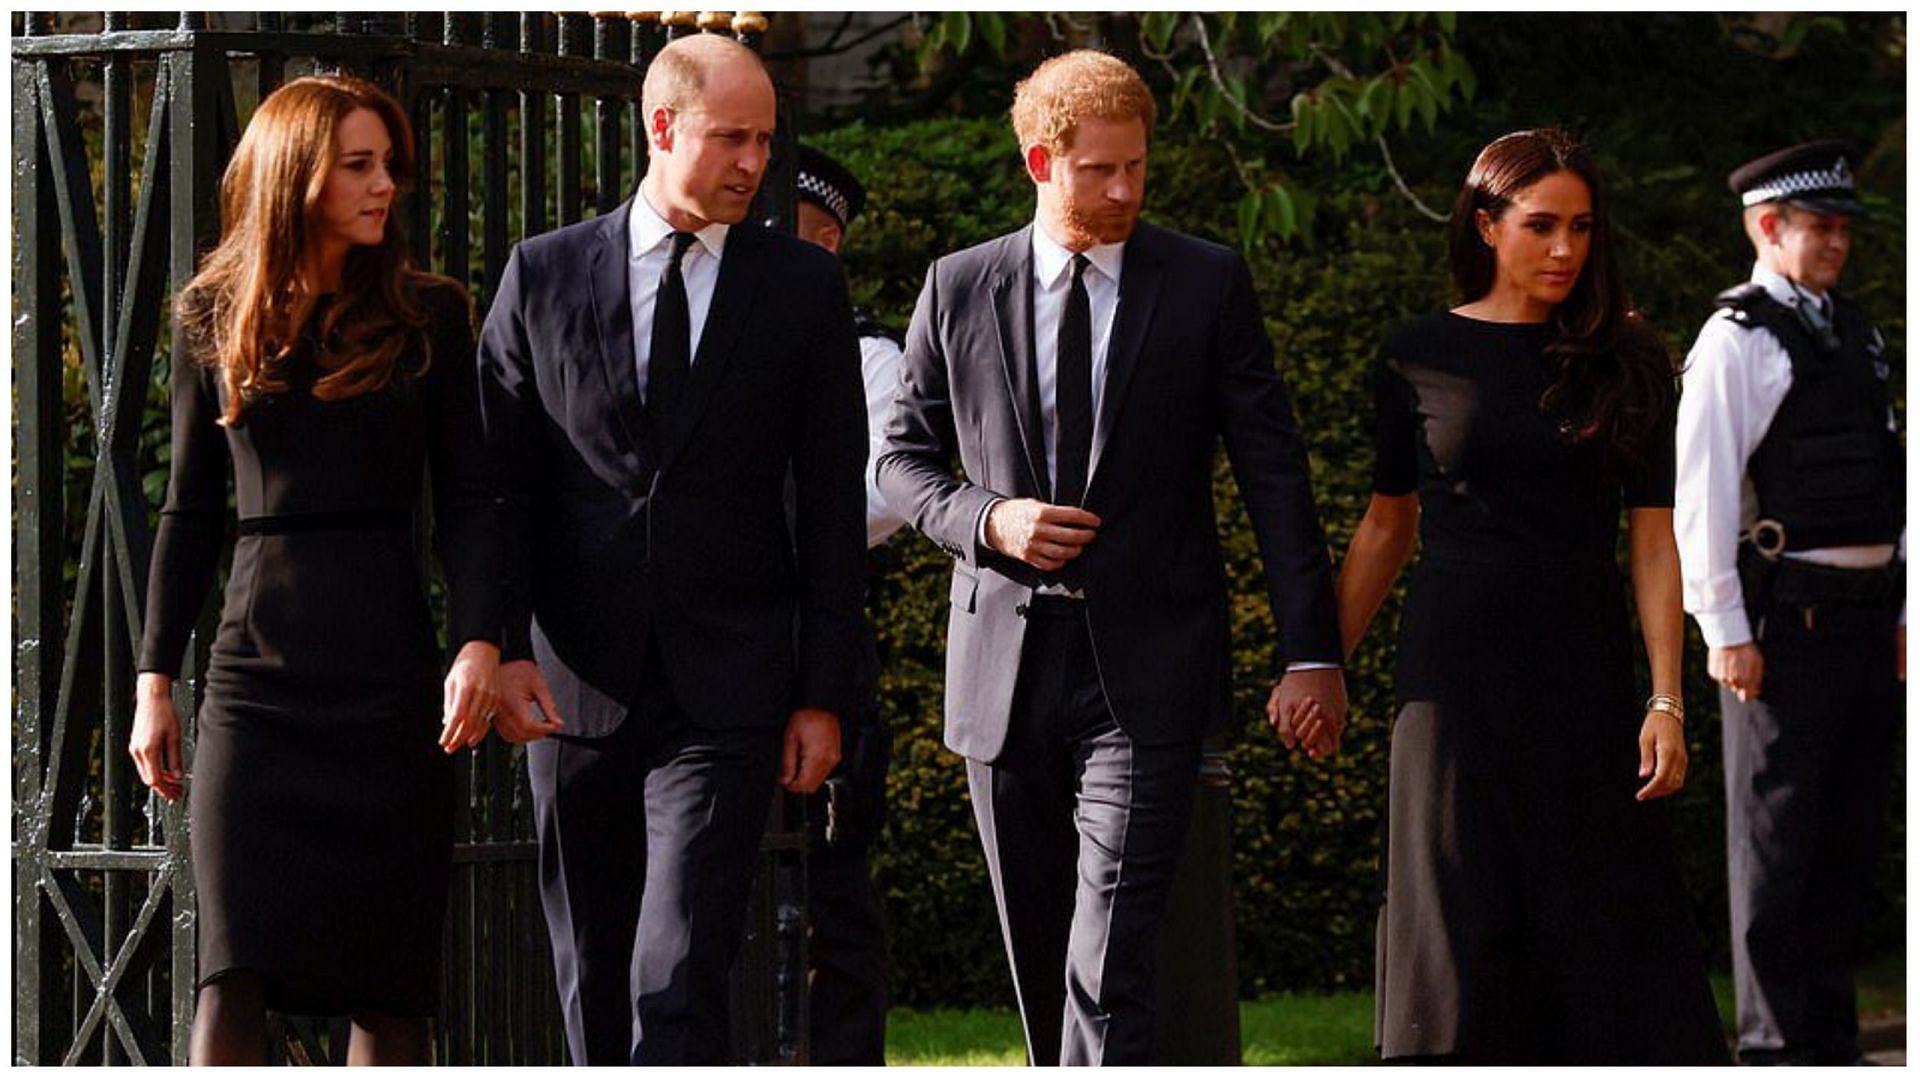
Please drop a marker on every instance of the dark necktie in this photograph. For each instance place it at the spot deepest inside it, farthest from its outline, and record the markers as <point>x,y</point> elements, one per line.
<point>1073,393</point>
<point>672,350</point>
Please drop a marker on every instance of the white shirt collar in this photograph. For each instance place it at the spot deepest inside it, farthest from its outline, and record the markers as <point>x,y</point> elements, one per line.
<point>1051,258</point>
<point>1780,288</point>
<point>647,230</point>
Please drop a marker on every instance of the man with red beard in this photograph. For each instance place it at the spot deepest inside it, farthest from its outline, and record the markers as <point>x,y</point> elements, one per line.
<point>1083,370</point>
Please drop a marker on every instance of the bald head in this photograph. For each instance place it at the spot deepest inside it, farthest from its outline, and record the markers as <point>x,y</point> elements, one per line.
<point>679,73</point>
<point>710,112</point>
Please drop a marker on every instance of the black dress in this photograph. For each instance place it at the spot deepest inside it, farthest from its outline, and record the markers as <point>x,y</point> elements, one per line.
<point>1533,910</point>
<point>321,805</point>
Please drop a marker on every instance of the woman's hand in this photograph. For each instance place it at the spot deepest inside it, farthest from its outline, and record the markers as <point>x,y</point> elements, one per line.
<point>472,692</point>
<point>1663,756</point>
<point>155,743</point>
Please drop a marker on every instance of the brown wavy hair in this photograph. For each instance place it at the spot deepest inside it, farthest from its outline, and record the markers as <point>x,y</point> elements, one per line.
<point>246,308</point>
<point>1613,378</point>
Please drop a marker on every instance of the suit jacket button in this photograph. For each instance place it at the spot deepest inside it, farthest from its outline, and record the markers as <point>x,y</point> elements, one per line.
<point>1020,610</point>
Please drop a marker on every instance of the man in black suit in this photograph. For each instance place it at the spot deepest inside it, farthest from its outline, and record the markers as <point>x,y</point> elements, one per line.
<point>1083,370</point>
<point>650,379</point>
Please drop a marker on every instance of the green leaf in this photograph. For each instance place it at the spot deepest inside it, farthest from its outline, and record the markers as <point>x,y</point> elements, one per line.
<point>1269,25</point>
<point>993,30</point>
<point>1183,90</point>
<point>1281,217</point>
<point>1463,76</point>
<point>1403,104</point>
<point>1237,93</point>
<point>1424,74</point>
<point>1302,124</point>
<point>1363,105</point>
<point>1447,21</point>
<point>1158,27</point>
<point>1429,105</point>
<point>1248,213</point>
<point>959,30</point>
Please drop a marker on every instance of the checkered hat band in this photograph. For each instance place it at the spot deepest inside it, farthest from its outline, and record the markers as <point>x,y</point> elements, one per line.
<point>1800,183</point>
<point>826,193</point>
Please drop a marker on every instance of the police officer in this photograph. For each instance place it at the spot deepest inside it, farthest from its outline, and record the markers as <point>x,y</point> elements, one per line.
<point>848,949</point>
<point>1790,515</point>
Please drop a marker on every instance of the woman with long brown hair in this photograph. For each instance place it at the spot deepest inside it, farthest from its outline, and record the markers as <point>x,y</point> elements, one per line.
<point>328,376</point>
<point>1533,909</point>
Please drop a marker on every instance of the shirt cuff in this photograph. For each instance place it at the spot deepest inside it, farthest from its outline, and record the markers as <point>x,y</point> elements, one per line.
<point>1311,665</point>
<point>1724,629</point>
<point>981,547</point>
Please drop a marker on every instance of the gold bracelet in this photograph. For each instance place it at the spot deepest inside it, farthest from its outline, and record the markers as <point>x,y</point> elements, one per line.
<point>1667,703</point>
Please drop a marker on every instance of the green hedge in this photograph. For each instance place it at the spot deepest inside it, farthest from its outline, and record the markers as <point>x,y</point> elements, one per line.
<point>1306,837</point>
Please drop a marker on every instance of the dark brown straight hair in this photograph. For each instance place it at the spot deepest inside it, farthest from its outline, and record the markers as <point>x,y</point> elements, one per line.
<point>245,306</point>
<point>1613,377</point>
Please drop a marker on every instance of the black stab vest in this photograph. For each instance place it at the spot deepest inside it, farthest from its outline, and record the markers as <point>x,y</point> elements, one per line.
<point>1830,468</point>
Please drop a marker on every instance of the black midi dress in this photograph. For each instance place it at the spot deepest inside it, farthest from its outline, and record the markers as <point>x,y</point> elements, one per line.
<point>1533,910</point>
<point>320,804</point>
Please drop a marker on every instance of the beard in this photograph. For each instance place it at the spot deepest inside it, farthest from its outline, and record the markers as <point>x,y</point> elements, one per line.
<point>1090,226</point>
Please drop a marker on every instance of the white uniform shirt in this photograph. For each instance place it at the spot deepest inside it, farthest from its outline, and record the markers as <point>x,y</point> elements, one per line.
<point>880,371</point>
<point>1733,384</point>
<point>648,247</point>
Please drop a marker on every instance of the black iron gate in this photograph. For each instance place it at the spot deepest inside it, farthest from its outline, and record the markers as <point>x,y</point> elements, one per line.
<point>120,134</point>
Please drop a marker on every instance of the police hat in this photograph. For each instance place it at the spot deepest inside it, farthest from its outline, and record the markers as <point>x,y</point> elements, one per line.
<point>1816,176</point>
<point>827,184</point>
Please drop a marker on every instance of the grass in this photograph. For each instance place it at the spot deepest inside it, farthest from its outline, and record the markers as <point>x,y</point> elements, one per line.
<point>1289,1029</point>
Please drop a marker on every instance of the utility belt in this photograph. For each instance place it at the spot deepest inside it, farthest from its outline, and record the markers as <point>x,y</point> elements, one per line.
<point>1826,600</point>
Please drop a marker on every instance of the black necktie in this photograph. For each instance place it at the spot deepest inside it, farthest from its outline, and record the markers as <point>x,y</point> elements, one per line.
<point>672,350</point>
<point>1073,394</point>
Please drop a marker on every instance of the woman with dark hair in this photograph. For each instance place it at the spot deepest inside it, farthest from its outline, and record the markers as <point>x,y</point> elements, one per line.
<point>1533,910</point>
<point>328,376</point>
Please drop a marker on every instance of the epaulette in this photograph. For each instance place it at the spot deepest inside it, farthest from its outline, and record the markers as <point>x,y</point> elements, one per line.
<point>866,326</point>
<point>1741,302</point>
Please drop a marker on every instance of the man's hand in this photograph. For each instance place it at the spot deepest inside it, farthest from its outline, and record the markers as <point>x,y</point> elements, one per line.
<point>1739,668</point>
<point>1039,534</point>
<point>522,688</point>
<point>1308,708</point>
<point>812,750</point>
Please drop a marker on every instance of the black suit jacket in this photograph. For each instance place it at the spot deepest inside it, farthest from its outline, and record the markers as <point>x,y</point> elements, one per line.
<point>621,527</point>
<point>1189,363</point>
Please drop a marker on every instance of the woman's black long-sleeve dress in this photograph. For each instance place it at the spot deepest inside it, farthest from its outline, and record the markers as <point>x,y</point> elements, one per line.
<point>1533,910</point>
<point>321,805</point>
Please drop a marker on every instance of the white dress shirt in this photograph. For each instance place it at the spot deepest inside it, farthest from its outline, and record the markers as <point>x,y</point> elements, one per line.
<point>880,371</point>
<point>1052,281</point>
<point>648,247</point>
<point>1734,381</point>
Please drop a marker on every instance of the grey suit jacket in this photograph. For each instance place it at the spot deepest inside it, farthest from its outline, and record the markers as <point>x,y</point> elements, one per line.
<point>1189,364</point>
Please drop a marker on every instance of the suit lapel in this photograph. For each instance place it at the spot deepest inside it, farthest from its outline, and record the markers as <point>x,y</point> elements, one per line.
<point>741,263</point>
<point>1013,312</point>
<point>1141,272</point>
<point>612,311</point>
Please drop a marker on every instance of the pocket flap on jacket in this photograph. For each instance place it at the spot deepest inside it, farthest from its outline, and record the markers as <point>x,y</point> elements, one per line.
<point>965,589</point>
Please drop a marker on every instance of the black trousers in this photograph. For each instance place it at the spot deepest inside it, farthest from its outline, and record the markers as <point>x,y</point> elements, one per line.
<point>847,966</point>
<point>649,838</point>
<point>1808,770</point>
<point>1083,829</point>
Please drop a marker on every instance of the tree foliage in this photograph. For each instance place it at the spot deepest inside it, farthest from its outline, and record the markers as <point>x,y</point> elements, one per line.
<point>1273,88</point>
